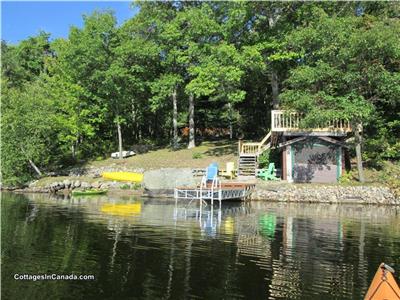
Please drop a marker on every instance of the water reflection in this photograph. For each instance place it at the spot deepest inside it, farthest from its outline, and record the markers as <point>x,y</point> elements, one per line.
<point>152,249</point>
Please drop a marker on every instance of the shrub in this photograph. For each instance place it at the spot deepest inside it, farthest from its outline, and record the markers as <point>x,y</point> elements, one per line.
<point>197,155</point>
<point>348,177</point>
<point>264,159</point>
<point>136,186</point>
<point>125,186</point>
<point>268,156</point>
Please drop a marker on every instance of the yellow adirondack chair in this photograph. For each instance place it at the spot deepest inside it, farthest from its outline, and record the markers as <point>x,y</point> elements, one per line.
<point>230,170</point>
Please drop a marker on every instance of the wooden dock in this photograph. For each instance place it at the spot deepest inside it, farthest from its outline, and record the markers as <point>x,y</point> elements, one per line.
<point>215,190</point>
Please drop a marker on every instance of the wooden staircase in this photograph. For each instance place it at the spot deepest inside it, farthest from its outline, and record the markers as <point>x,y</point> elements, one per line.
<point>248,156</point>
<point>287,122</point>
<point>247,165</point>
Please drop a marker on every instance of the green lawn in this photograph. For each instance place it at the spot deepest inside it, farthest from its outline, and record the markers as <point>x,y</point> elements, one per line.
<point>198,157</point>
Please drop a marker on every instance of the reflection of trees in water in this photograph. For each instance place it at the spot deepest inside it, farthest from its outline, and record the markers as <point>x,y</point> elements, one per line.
<point>295,249</point>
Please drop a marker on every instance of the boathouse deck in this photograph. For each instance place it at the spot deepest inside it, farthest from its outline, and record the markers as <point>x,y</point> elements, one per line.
<point>287,124</point>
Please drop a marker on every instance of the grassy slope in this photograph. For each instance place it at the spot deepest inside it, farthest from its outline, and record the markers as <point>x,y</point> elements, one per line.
<point>221,152</point>
<point>216,151</point>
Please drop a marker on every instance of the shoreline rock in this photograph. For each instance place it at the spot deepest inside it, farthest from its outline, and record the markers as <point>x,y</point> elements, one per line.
<point>160,184</point>
<point>326,194</point>
<point>68,185</point>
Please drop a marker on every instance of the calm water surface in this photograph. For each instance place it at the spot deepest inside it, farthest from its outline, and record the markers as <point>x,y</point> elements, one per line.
<point>158,249</point>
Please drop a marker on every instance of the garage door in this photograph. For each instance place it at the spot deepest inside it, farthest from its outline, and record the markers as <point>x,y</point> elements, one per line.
<point>315,161</point>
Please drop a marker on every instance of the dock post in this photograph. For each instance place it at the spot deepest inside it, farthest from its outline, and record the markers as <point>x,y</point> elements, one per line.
<point>220,195</point>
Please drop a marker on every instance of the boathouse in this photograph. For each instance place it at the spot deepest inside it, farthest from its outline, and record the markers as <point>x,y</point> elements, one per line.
<point>307,155</point>
<point>312,159</point>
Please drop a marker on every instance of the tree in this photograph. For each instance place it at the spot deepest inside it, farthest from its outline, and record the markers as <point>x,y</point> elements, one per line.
<point>87,58</point>
<point>156,21</point>
<point>28,132</point>
<point>108,86</point>
<point>199,31</point>
<point>26,61</point>
<point>335,76</point>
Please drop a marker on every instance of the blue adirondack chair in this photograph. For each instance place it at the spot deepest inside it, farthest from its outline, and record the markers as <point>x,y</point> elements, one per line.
<point>268,174</point>
<point>212,172</point>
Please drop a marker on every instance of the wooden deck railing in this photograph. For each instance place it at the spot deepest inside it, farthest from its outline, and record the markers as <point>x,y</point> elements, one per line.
<point>254,148</point>
<point>290,121</point>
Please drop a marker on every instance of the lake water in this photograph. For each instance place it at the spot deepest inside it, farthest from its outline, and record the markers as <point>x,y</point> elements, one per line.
<point>159,249</point>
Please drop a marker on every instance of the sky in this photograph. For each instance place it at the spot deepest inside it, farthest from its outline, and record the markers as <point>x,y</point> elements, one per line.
<point>19,19</point>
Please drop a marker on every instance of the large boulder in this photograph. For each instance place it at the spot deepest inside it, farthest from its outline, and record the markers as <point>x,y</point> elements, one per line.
<point>85,185</point>
<point>67,183</point>
<point>167,179</point>
<point>76,184</point>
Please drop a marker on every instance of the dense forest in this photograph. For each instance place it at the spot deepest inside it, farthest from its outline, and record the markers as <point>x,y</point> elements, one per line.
<point>180,64</point>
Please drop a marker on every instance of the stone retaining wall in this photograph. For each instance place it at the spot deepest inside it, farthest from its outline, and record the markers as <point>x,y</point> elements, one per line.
<point>326,194</point>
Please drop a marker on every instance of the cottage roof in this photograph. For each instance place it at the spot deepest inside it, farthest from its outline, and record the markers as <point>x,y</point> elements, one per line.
<point>324,138</point>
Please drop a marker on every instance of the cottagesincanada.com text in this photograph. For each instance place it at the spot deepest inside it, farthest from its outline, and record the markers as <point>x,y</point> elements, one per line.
<point>37,277</point>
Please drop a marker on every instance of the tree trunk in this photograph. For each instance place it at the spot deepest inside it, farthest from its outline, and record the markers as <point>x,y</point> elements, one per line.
<point>358,140</point>
<point>230,121</point>
<point>35,167</point>
<point>192,141</point>
<point>272,19</point>
<point>175,119</point>
<point>73,150</point>
<point>119,139</point>
<point>134,124</point>
<point>275,89</point>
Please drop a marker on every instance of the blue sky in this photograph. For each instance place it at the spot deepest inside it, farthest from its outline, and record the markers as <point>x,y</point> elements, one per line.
<point>20,20</point>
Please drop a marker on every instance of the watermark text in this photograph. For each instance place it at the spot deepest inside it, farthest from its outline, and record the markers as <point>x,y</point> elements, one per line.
<point>37,277</point>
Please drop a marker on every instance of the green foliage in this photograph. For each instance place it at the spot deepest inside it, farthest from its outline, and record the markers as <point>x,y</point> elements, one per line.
<point>347,69</point>
<point>197,155</point>
<point>264,159</point>
<point>125,186</point>
<point>348,177</point>
<point>269,156</point>
<point>29,128</point>
<point>62,101</point>
<point>134,186</point>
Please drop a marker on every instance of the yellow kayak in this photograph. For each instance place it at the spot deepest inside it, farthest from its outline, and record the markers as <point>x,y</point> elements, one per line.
<point>122,209</point>
<point>123,176</point>
<point>383,286</point>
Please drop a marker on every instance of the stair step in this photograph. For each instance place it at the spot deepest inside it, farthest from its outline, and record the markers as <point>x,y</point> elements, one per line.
<point>247,166</point>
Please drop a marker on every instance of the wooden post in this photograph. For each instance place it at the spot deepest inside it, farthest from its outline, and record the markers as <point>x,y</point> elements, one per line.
<point>284,170</point>
<point>240,142</point>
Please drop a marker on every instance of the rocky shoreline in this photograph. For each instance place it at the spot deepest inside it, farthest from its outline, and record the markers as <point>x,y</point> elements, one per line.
<point>68,185</point>
<point>326,194</point>
<point>160,184</point>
